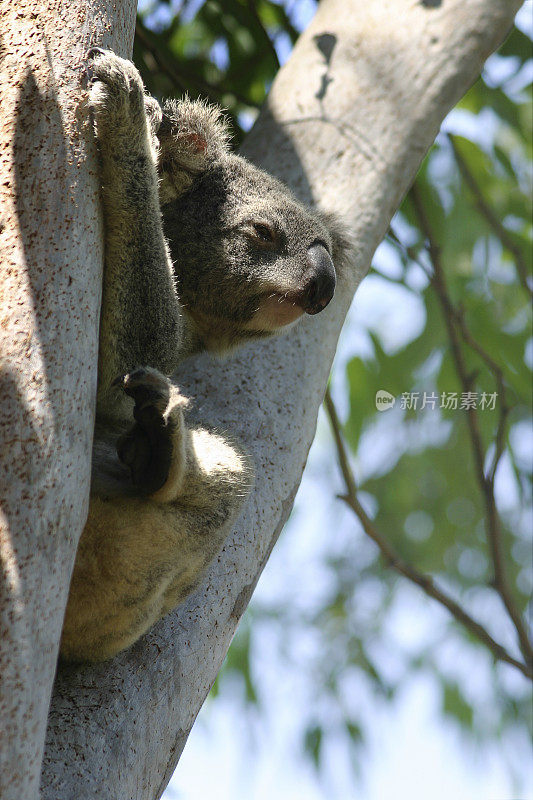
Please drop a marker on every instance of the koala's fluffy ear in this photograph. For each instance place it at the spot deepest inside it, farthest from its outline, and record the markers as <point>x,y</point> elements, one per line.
<point>192,136</point>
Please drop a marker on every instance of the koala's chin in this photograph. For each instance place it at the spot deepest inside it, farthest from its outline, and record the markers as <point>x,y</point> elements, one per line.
<point>276,312</point>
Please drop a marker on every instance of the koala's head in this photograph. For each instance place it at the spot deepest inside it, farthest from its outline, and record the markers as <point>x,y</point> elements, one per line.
<point>249,258</point>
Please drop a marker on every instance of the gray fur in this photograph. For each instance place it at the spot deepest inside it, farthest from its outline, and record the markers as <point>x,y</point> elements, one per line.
<point>202,251</point>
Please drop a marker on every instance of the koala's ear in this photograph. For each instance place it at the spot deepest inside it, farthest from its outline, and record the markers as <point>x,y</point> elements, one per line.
<point>192,135</point>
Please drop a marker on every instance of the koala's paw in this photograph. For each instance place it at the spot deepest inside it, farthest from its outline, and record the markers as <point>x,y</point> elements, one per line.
<point>116,96</point>
<point>148,448</point>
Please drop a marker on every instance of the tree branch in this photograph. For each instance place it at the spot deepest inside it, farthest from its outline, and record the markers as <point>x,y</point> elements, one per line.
<point>50,282</point>
<point>397,563</point>
<point>495,223</point>
<point>455,326</point>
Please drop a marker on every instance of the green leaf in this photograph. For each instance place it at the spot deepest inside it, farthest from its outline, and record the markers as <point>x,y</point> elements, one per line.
<point>313,743</point>
<point>456,706</point>
<point>517,44</point>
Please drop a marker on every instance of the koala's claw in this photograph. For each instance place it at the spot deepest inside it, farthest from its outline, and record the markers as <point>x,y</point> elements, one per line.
<point>95,51</point>
<point>148,387</point>
<point>90,55</point>
<point>147,447</point>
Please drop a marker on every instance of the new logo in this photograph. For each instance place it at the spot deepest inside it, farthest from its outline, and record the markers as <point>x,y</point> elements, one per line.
<point>384,400</point>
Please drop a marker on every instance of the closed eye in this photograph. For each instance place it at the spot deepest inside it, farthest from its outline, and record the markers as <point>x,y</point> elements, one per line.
<point>264,232</point>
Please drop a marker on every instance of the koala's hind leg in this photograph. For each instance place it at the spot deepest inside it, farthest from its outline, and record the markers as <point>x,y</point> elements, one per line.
<point>139,556</point>
<point>140,321</point>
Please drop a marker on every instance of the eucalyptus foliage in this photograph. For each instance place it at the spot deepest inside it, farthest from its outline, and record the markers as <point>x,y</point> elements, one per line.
<point>424,494</point>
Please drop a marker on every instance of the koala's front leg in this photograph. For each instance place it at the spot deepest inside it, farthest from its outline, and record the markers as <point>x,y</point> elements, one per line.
<point>155,447</point>
<point>140,321</point>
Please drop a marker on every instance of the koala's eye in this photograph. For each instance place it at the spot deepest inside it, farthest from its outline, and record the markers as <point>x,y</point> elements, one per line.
<point>264,232</point>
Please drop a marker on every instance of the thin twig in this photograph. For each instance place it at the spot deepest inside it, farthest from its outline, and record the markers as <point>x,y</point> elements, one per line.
<point>410,252</point>
<point>210,89</point>
<point>486,482</point>
<point>397,563</point>
<point>496,224</point>
<point>141,35</point>
<point>500,385</point>
<point>268,41</point>
<point>458,316</point>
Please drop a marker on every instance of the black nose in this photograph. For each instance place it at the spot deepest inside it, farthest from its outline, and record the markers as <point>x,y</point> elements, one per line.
<point>319,280</point>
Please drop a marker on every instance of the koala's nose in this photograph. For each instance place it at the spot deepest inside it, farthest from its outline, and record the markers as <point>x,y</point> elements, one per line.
<point>319,280</point>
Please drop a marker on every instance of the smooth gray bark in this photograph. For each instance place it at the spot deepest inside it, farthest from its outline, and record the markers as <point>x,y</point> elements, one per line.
<point>347,124</point>
<point>50,277</point>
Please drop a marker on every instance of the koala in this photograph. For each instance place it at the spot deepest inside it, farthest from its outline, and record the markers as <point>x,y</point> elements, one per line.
<point>203,251</point>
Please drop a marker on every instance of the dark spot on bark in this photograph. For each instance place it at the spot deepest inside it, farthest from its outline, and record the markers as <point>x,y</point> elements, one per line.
<point>326,44</point>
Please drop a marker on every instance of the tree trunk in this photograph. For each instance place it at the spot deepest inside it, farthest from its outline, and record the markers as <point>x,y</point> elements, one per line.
<point>51,257</point>
<point>347,124</point>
